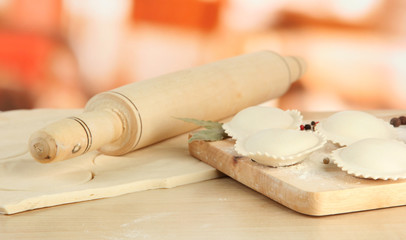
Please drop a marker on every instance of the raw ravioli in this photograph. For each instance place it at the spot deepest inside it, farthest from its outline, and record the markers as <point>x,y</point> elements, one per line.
<point>279,147</point>
<point>254,119</point>
<point>373,158</point>
<point>347,127</point>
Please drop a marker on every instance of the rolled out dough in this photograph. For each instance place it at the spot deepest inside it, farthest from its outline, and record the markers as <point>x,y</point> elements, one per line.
<point>27,175</point>
<point>26,184</point>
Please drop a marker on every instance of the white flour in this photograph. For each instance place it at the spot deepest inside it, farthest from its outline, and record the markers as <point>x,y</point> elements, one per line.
<point>132,230</point>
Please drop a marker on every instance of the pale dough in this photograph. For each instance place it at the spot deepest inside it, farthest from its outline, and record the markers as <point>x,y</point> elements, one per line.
<point>254,119</point>
<point>373,158</point>
<point>279,147</point>
<point>12,148</point>
<point>26,184</point>
<point>347,127</point>
<point>281,142</point>
<point>28,175</point>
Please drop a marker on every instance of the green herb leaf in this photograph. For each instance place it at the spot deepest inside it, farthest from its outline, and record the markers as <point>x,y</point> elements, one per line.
<point>214,130</point>
<point>202,123</point>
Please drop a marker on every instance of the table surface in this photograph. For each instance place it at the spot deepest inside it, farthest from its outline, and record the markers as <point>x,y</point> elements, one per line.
<point>215,209</point>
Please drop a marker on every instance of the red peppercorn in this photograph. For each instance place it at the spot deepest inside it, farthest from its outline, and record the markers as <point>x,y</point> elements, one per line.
<point>302,127</point>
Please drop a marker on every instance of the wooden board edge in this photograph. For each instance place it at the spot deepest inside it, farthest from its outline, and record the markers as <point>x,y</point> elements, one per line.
<point>302,201</point>
<point>343,201</point>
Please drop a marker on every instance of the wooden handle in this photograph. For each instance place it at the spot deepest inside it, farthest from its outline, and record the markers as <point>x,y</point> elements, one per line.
<point>74,136</point>
<point>145,112</point>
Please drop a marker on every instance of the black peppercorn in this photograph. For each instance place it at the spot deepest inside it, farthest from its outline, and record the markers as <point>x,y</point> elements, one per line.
<point>307,127</point>
<point>395,122</point>
<point>402,120</point>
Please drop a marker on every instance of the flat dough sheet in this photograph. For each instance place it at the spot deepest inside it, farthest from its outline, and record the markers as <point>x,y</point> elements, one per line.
<point>26,184</point>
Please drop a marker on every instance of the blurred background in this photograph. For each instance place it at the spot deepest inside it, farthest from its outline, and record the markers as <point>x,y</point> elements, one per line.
<point>59,53</point>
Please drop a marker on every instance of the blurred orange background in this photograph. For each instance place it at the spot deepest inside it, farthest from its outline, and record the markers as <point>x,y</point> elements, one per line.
<point>59,53</point>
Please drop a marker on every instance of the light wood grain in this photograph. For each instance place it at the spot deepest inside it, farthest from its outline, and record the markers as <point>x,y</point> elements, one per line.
<point>216,209</point>
<point>143,113</point>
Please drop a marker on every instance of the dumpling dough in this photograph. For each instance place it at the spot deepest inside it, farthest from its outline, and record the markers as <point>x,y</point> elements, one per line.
<point>13,148</point>
<point>279,147</point>
<point>26,184</point>
<point>28,175</point>
<point>347,127</point>
<point>373,158</point>
<point>254,119</point>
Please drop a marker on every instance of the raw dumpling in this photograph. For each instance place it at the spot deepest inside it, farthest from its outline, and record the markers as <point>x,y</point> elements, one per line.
<point>279,147</point>
<point>373,158</point>
<point>347,127</point>
<point>254,119</point>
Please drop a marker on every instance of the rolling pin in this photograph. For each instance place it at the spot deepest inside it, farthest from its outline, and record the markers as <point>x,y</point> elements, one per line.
<point>142,113</point>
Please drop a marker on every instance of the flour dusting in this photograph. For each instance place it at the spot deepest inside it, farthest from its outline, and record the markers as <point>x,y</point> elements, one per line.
<point>132,230</point>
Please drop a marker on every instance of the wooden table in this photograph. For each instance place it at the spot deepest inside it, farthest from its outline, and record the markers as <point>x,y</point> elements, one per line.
<point>215,209</point>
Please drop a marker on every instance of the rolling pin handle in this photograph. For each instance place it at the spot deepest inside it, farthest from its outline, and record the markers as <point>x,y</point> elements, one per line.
<point>74,136</point>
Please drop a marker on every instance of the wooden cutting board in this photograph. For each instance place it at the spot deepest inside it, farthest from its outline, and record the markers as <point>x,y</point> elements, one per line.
<point>311,187</point>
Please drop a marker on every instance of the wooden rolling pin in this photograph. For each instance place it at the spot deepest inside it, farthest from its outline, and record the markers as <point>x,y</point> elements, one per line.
<point>142,113</point>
